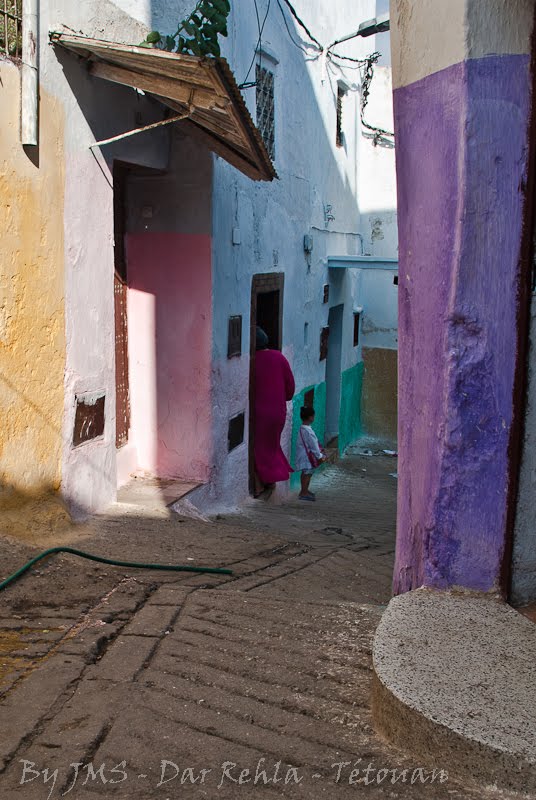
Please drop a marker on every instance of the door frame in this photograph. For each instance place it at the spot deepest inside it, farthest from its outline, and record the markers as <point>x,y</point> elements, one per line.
<point>261,283</point>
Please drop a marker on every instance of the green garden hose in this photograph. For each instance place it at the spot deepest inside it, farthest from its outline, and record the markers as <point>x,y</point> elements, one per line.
<point>130,564</point>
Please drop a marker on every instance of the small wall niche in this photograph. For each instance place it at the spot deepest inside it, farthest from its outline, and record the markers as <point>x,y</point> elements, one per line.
<point>234,337</point>
<point>357,323</point>
<point>235,433</point>
<point>89,418</point>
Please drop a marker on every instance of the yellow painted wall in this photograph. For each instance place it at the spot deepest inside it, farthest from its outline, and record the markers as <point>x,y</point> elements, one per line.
<point>32,327</point>
<point>379,400</point>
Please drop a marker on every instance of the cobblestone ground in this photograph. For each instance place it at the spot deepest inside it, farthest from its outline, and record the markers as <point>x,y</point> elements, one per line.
<point>126,685</point>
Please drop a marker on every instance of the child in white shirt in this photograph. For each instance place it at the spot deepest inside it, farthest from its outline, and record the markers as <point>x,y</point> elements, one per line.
<point>308,450</point>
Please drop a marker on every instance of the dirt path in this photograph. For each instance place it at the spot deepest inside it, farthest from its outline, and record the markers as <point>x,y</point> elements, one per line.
<point>261,679</point>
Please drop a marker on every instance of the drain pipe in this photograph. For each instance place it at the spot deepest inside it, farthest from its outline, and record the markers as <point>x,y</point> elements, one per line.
<point>30,90</point>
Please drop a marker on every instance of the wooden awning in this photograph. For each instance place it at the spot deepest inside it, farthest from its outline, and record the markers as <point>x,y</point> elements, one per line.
<point>204,89</point>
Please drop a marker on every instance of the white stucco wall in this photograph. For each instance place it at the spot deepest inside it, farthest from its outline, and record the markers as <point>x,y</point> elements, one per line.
<point>94,109</point>
<point>376,171</point>
<point>273,218</point>
<point>379,296</point>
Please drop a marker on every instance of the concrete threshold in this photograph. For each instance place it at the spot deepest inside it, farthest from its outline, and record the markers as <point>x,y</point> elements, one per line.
<point>455,684</point>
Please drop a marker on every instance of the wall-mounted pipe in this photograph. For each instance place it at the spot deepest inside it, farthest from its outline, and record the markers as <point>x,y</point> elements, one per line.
<point>30,87</point>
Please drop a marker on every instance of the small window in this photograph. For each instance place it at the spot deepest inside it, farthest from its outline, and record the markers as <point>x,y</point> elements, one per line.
<point>325,295</point>
<point>357,319</point>
<point>235,434</point>
<point>11,28</point>
<point>324,338</point>
<point>234,339</point>
<point>339,136</point>
<point>265,107</point>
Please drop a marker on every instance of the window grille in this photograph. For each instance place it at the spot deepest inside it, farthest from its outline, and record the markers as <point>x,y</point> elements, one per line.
<point>265,107</point>
<point>339,137</point>
<point>11,28</point>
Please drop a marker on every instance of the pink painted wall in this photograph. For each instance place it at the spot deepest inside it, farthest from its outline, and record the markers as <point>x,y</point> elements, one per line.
<point>169,324</point>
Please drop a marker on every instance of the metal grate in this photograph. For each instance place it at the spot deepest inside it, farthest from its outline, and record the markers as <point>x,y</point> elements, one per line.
<point>339,138</point>
<point>265,107</point>
<point>11,28</point>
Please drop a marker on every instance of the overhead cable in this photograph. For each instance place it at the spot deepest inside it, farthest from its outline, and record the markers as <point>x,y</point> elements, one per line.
<point>244,84</point>
<point>302,24</point>
<point>292,39</point>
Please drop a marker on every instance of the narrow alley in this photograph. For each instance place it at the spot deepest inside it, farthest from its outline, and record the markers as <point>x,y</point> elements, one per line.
<point>143,680</point>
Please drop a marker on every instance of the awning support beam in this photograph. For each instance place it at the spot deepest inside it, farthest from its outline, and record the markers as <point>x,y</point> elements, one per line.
<point>140,130</point>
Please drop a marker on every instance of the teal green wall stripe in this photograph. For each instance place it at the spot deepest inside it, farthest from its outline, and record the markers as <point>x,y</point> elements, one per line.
<point>350,416</point>
<point>350,413</point>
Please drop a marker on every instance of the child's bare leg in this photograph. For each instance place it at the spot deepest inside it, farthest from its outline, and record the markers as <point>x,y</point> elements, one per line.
<point>305,481</point>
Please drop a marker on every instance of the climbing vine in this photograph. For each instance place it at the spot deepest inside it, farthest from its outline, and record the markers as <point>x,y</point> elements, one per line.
<point>198,33</point>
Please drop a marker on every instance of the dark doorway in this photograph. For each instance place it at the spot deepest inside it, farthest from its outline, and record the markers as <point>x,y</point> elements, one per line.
<point>333,373</point>
<point>268,317</point>
<point>267,313</point>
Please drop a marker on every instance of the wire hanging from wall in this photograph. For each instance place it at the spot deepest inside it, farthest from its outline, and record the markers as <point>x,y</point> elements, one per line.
<point>245,84</point>
<point>378,134</point>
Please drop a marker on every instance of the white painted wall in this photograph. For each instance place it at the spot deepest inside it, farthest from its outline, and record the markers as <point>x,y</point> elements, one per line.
<point>273,218</point>
<point>379,297</point>
<point>94,109</point>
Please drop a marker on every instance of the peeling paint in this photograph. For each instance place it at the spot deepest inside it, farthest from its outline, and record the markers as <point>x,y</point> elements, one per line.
<point>32,338</point>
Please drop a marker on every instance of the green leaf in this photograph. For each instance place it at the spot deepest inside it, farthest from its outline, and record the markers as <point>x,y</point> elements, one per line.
<point>188,27</point>
<point>146,44</point>
<point>153,37</point>
<point>169,43</point>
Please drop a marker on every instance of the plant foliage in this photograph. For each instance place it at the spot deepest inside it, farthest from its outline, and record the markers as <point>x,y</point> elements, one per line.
<point>198,33</point>
<point>11,29</point>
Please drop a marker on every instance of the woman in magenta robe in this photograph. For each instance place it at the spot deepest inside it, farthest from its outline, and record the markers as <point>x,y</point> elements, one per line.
<point>274,386</point>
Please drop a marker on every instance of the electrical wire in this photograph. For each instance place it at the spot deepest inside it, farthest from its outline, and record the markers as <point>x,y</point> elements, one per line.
<point>244,84</point>
<point>302,24</point>
<point>292,39</point>
<point>360,61</point>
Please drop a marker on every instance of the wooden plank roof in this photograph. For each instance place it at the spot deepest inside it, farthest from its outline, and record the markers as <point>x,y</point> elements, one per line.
<point>204,88</point>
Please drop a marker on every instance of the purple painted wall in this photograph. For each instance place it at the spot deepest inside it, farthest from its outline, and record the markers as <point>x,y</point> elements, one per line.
<point>461,170</point>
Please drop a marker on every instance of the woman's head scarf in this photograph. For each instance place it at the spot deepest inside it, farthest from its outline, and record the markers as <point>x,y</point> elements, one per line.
<point>261,339</point>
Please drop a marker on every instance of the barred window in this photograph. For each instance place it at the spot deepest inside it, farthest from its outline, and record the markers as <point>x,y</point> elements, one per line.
<point>339,135</point>
<point>11,28</point>
<point>265,107</point>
